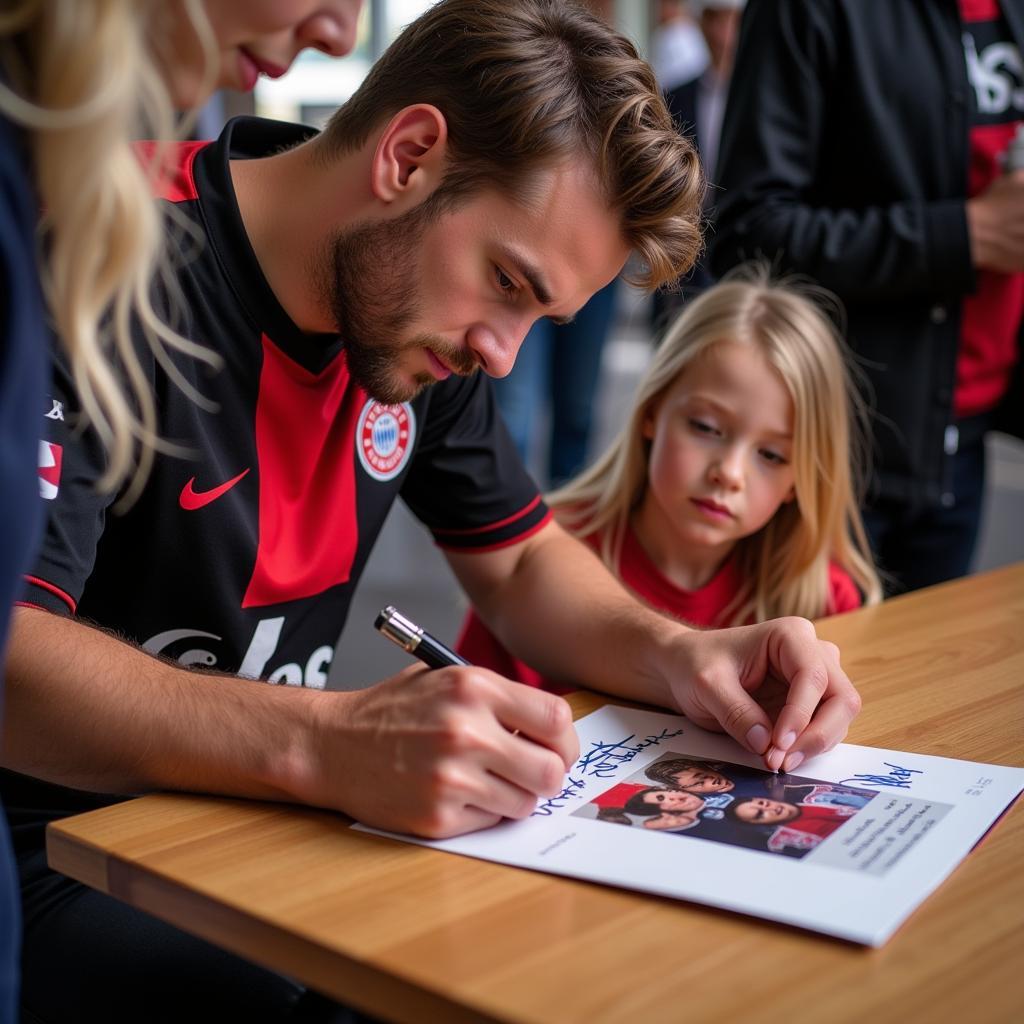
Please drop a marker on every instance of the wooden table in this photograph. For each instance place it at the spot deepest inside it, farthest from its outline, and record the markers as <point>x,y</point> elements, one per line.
<point>414,935</point>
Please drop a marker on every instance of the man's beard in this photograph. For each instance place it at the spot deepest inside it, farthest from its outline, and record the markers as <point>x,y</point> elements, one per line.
<point>369,280</point>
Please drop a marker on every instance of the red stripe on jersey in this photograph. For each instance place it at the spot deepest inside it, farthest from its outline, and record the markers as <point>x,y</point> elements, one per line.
<point>498,545</point>
<point>979,10</point>
<point>305,446</point>
<point>175,180</point>
<point>37,582</point>
<point>491,526</point>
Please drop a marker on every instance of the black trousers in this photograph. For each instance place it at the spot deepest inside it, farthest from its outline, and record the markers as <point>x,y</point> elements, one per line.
<point>918,546</point>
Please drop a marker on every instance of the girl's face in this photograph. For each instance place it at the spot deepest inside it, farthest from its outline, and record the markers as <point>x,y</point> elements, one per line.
<point>720,459</point>
<point>252,37</point>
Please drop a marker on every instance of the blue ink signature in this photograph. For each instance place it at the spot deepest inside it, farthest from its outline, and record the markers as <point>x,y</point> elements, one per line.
<point>570,792</point>
<point>603,759</point>
<point>898,778</point>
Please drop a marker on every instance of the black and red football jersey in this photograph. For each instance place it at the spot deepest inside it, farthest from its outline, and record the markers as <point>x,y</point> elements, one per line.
<point>993,312</point>
<point>244,556</point>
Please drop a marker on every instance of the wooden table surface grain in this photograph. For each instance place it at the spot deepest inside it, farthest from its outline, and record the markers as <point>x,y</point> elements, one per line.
<point>413,934</point>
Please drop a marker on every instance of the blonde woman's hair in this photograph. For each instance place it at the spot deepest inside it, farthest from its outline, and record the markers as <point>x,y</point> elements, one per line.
<point>80,77</point>
<point>785,565</point>
<point>524,84</point>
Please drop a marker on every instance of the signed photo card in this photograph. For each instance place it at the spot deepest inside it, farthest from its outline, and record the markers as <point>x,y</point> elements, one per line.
<point>684,794</point>
<point>849,848</point>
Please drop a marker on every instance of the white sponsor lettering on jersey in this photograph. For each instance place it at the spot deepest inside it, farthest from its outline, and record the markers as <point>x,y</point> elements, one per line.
<point>260,650</point>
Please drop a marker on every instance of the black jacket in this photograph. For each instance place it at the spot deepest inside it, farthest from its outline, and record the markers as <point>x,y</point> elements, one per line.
<point>682,105</point>
<point>844,156</point>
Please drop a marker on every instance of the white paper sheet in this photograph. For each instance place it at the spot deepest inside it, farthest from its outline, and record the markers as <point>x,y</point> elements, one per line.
<point>849,845</point>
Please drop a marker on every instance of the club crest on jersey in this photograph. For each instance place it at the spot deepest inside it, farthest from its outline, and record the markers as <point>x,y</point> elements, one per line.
<point>50,458</point>
<point>384,438</point>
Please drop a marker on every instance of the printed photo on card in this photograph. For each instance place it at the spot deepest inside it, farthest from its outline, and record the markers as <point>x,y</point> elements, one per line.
<point>849,847</point>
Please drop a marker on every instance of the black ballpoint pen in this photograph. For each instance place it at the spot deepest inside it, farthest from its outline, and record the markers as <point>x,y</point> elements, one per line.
<point>396,627</point>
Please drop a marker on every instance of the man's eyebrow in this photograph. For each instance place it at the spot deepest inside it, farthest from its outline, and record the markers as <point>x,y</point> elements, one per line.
<point>533,276</point>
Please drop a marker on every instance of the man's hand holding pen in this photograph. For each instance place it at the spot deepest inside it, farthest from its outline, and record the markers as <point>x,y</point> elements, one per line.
<point>441,752</point>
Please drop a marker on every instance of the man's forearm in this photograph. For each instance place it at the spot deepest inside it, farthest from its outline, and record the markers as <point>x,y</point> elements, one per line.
<point>568,616</point>
<point>84,709</point>
<point>435,753</point>
<point>555,605</point>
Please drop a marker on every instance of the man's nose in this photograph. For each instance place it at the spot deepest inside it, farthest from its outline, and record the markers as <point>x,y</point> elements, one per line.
<point>495,350</point>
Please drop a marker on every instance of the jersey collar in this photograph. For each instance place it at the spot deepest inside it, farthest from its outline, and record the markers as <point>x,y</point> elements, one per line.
<point>248,138</point>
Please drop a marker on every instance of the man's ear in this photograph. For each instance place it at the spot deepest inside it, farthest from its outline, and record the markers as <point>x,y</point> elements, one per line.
<point>408,163</point>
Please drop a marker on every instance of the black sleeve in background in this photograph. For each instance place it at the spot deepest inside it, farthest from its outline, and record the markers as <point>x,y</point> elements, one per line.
<point>23,370</point>
<point>467,483</point>
<point>842,145</point>
<point>1010,412</point>
<point>76,513</point>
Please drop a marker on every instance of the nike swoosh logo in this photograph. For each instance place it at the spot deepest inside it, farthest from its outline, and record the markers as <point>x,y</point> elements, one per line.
<point>190,500</point>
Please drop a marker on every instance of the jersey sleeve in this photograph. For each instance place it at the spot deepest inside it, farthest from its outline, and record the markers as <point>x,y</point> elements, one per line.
<point>71,461</point>
<point>467,484</point>
<point>843,595</point>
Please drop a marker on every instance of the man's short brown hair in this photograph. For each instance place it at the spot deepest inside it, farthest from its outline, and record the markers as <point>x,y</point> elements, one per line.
<point>525,84</point>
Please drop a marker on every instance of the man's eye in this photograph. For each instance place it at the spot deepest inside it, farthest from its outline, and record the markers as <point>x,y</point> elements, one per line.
<point>773,457</point>
<point>505,283</point>
<point>703,427</point>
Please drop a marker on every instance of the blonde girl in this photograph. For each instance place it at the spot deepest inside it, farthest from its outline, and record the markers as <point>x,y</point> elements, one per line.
<point>730,496</point>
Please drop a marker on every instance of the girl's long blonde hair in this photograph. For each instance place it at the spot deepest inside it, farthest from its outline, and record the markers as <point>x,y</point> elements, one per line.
<point>785,565</point>
<point>80,77</point>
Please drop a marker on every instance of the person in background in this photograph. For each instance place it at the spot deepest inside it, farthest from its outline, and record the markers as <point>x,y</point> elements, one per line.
<point>77,79</point>
<point>864,147</point>
<point>698,106</point>
<point>678,50</point>
<point>729,496</point>
<point>550,394</point>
